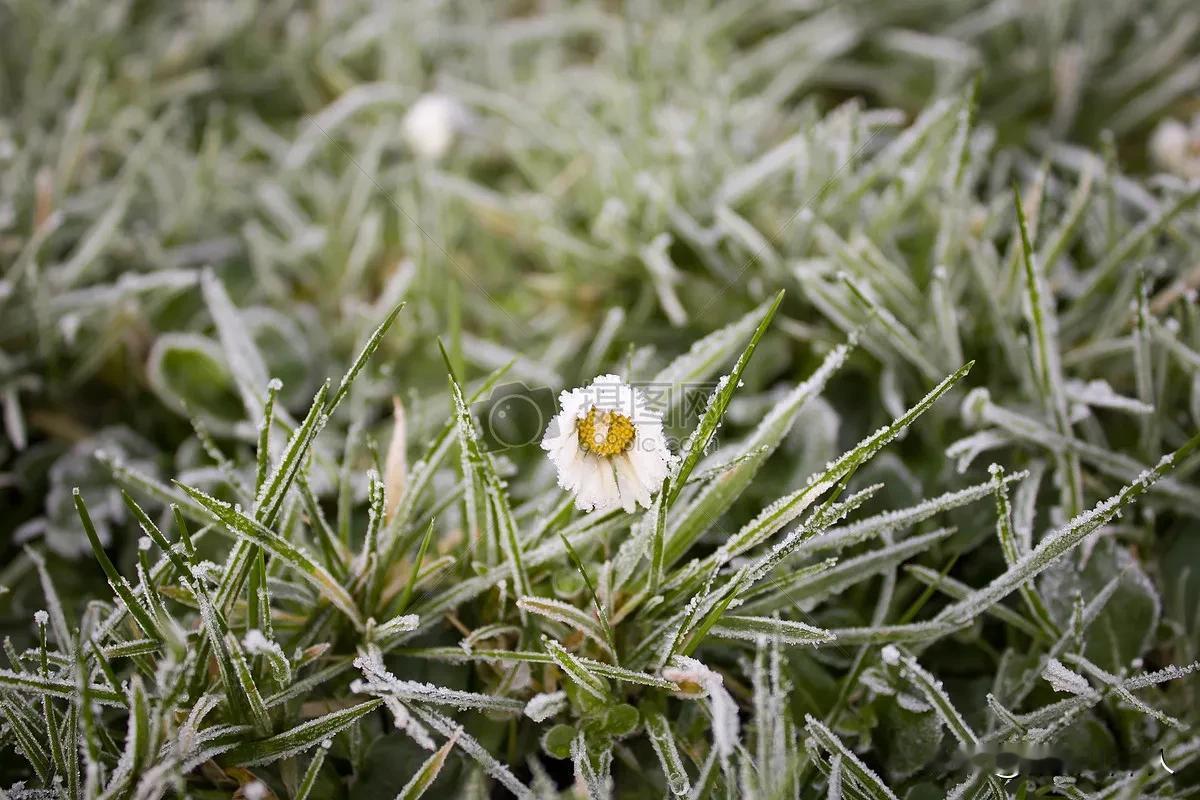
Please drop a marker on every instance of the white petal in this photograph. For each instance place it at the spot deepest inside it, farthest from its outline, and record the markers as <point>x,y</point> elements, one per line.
<point>632,487</point>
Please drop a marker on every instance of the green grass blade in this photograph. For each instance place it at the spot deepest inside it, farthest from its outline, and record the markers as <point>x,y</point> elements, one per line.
<point>254,532</point>
<point>698,440</point>
<point>301,738</point>
<point>427,774</point>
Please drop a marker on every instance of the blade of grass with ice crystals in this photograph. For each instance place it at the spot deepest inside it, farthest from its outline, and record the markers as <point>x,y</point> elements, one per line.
<point>663,741</point>
<point>411,585</point>
<point>574,669</point>
<point>705,601</point>
<point>364,355</point>
<point>830,512</point>
<point>237,695</point>
<point>840,537</point>
<point>811,588</point>
<point>509,539</point>
<point>716,497</point>
<point>899,337</point>
<point>458,655</point>
<point>471,746</point>
<point>241,667</point>
<point>48,715</point>
<point>300,738</point>
<point>1061,541</point>
<point>1048,366</point>
<point>182,568</point>
<point>783,631</point>
<point>331,547</point>
<point>310,773</point>
<point>851,459</point>
<point>119,584</point>
<point>422,472</point>
<point>658,538</point>
<point>139,738</point>
<point>368,558</point>
<point>256,533</point>
<point>264,436</point>
<point>29,736</point>
<point>1109,462</point>
<point>69,732</point>
<point>852,768</point>
<point>575,619</point>
<point>1118,687</point>
<point>377,680</point>
<point>957,590</point>
<point>1008,546</point>
<point>270,499</point>
<point>30,683</point>
<point>427,774</point>
<point>596,781</point>
<point>601,613</point>
<point>705,357</point>
<point>698,441</point>
<point>480,463</point>
<point>931,688</point>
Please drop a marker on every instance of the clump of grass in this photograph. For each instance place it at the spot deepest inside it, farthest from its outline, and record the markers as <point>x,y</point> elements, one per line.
<point>243,669</point>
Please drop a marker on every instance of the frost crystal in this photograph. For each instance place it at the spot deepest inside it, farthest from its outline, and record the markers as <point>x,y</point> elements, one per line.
<point>1063,679</point>
<point>543,706</point>
<point>256,643</point>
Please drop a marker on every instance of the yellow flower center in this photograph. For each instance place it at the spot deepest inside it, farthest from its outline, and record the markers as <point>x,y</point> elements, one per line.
<point>605,433</point>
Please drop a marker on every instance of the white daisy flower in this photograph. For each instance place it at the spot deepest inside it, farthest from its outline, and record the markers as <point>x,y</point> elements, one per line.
<point>1176,147</point>
<point>608,445</point>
